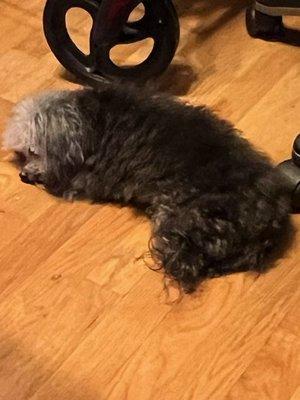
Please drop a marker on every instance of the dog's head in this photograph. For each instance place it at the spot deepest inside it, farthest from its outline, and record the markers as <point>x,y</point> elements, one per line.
<point>46,134</point>
<point>26,136</point>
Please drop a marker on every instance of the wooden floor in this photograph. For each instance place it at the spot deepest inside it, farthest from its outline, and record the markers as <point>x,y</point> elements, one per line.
<point>81,318</point>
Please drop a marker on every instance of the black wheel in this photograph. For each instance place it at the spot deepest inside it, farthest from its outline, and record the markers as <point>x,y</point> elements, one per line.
<point>263,26</point>
<point>296,151</point>
<point>110,28</point>
<point>291,170</point>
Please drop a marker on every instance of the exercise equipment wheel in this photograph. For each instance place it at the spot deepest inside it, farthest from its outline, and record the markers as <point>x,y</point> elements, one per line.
<point>111,27</point>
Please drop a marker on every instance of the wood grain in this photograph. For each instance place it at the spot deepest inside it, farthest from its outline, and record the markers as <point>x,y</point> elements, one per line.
<point>81,315</point>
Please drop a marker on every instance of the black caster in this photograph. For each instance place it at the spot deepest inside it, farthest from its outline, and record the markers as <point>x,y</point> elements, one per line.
<point>110,28</point>
<point>260,25</point>
<point>264,19</point>
<point>291,170</point>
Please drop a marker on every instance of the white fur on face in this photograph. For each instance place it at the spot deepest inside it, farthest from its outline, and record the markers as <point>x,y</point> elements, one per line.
<point>50,120</point>
<point>26,132</point>
<point>28,123</point>
<point>19,134</point>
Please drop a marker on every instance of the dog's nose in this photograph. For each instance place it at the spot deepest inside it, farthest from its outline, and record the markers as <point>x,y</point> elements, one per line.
<point>25,178</point>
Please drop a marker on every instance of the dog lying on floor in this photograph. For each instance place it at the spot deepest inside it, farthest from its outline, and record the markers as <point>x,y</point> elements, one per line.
<point>217,206</point>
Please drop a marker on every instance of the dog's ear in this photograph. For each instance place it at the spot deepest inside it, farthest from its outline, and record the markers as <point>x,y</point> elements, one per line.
<point>64,151</point>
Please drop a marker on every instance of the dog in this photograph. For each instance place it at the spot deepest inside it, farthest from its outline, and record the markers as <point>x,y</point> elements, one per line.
<point>217,205</point>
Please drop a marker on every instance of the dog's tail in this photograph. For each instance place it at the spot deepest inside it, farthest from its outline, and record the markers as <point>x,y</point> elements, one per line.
<point>218,234</point>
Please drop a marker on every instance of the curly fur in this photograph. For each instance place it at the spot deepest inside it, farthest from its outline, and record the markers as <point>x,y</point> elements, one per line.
<point>217,206</point>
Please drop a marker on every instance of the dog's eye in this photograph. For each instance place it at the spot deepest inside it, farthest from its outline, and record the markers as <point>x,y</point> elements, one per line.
<point>20,156</point>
